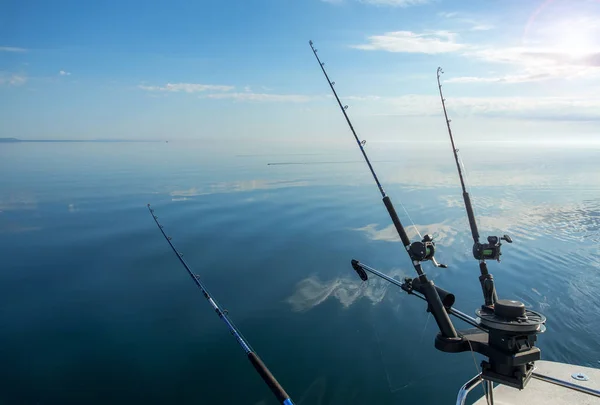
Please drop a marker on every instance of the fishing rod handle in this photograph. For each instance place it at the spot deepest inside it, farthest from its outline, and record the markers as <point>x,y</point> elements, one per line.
<point>269,379</point>
<point>399,228</point>
<point>471,216</point>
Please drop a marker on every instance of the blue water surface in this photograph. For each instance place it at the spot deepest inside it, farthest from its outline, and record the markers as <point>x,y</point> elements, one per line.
<point>96,309</point>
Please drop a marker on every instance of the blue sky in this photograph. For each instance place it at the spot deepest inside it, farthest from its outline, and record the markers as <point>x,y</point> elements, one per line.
<point>243,70</point>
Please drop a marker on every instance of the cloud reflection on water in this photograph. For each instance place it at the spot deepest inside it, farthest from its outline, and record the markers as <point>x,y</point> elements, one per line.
<point>442,233</point>
<point>311,291</point>
<point>568,221</point>
<point>235,186</point>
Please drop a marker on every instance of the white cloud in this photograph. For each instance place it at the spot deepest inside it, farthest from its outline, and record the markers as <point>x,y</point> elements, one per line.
<point>395,3</point>
<point>475,25</point>
<point>535,56</point>
<point>481,27</point>
<point>390,3</point>
<point>535,64</point>
<point>64,73</point>
<point>447,14</point>
<point>186,87</point>
<point>266,97</point>
<point>225,92</point>
<point>571,60</point>
<point>12,79</point>
<point>429,42</point>
<point>499,79</point>
<point>11,49</point>
<point>555,108</point>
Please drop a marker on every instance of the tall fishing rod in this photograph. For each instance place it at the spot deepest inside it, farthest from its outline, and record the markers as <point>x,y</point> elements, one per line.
<point>419,251</point>
<point>260,367</point>
<point>505,332</point>
<point>481,251</point>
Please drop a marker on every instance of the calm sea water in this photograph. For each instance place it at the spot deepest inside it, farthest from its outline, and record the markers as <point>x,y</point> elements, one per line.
<point>96,309</point>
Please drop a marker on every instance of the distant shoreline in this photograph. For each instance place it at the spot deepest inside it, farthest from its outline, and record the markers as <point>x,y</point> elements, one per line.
<point>16,140</point>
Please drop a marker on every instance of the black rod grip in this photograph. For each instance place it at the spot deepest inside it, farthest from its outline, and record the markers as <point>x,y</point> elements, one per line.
<point>401,232</point>
<point>267,377</point>
<point>471,215</point>
<point>439,312</point>
<point>446,297</point>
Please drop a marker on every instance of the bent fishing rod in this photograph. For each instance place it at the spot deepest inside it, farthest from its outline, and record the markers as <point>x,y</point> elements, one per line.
<point>419,251</point>
<point>481,251</point>
<point>259,366</point>
<point>504,333</point>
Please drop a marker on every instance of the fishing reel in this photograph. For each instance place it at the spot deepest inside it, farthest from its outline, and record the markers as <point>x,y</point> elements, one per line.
<point>422,251</point>
<point>490,250</point>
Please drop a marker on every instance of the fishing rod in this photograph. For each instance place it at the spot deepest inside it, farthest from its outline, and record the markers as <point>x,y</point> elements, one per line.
<point>481,251</point>
<point>504,333</point>
<point>419,251</point>
<point>259,366</point>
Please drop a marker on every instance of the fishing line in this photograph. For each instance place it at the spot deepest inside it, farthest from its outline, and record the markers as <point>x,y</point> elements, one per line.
<point>487,399</point>
<point>381,356</point>
<point>411,220</point>
<point>424,327</point>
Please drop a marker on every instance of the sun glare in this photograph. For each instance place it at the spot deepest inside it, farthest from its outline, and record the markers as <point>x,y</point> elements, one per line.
<point>568,30</point>
<point>575,41</point>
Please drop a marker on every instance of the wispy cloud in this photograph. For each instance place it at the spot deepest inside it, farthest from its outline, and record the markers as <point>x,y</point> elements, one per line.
<point>535,64</point>
<point>473,24</point>
<point>64,73</point>
<point>481,27</point>
<point>222,92</point>
<point>529,63</point>
<point>447,14</point>
<point>12,79</point>
<point>186,87</point>
<point>395,3</point>
<point>541,108</point>
<point>264,97</point>
<point>12,49</point>
<point>429,42</point>
<point>389,3</point>
<point>499,79</point>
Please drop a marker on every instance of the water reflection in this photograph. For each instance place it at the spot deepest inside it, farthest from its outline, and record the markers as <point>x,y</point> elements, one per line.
<point>236,186</point>
<point>442,233</point>
<point>311,291</point>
